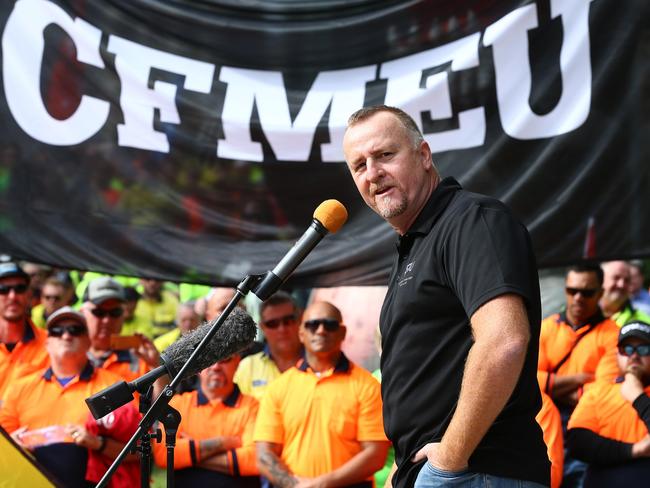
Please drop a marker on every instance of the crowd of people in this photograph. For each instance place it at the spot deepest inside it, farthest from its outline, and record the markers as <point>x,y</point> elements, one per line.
<point>293,410</point>
<point>229,434</point>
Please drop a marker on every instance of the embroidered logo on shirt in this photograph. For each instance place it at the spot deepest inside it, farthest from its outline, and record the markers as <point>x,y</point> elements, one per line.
<point>405,278</point>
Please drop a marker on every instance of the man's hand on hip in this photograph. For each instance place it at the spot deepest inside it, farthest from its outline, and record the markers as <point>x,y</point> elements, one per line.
<point>436,457</point>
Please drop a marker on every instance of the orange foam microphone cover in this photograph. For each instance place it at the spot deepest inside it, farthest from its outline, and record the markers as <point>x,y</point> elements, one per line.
<point>332,214</point>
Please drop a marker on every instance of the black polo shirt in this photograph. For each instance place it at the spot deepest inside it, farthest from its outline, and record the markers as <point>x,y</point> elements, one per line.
<point>463,250</point>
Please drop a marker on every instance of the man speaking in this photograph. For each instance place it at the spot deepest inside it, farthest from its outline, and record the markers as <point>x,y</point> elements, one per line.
<point>460,322</point>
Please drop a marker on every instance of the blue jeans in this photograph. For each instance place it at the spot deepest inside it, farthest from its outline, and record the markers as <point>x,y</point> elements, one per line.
<point>430,477</point>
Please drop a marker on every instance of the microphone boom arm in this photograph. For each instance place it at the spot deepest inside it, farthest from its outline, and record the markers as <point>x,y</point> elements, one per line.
<point>161,404</point>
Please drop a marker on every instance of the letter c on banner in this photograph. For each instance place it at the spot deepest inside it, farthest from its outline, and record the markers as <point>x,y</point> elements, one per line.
<point>22,48</point>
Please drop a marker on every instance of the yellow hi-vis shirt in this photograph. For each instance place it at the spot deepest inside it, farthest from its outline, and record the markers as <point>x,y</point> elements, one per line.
<point>321,420</point>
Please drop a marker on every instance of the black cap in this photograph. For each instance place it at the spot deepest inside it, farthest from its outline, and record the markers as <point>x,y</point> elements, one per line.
<point>10,269</point>
<point>640,330</point>
<point>131,294</point>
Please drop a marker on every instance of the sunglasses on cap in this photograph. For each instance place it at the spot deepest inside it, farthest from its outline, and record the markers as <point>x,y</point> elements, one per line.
<point>73,330</point>
<point>100,313</point>
<point>641,349</point>
<point>19,289</point>
<point>585,292</point>
<point>275,323</point>
<point>330,325</point>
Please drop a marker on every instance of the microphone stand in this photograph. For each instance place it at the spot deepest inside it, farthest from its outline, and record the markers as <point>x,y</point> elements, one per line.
<point>160,409</point>
<point>145,440</point>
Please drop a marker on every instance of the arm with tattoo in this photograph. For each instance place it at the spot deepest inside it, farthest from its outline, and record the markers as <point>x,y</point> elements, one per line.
<point>272,466</point>
<point>217,445</point>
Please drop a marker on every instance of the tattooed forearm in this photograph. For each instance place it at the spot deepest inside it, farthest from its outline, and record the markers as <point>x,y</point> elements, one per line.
<point>276,470</point>
<point>218,445</point>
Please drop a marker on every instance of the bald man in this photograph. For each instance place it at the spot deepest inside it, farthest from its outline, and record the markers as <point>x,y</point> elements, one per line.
<point>217,300</point>
<point>325,401</point>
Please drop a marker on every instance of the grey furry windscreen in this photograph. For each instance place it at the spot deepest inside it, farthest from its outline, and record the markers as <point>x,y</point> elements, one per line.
<point>235,334</point>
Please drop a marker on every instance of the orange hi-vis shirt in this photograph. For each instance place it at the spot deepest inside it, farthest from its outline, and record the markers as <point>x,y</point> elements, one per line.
<point>203,419</point>
<point>123,363</point>
<point>28,356</point>
<point>594,353</point>
<point>549,420</point>
<point>321,420</point>
<point>39,400</point>
<point>604,411</point>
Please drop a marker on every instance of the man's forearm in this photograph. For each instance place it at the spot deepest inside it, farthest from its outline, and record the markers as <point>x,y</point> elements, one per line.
<point>214,445</point>
<point>360,467</point>
<point>642,406</point>
<point>274,469</point>
<point>564,385</point>
<point>587,446</point>
<point>491,373</point>
<point>217,462</point>
<point>113,448</point>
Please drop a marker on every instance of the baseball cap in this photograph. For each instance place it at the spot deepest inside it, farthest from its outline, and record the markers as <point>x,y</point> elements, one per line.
<point>12,269</point>
<point>640,330</point>
<point>65,313</point>
<point>101,289</point>
<point>131,294</point>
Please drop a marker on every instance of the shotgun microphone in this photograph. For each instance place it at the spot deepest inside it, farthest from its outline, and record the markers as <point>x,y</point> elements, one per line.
<point>234,335</point>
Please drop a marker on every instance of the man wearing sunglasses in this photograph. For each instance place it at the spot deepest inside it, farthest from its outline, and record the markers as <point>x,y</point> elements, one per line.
<point>22,345</point>
<point>45,412</point>
<point>609,427</point>
<point>103,309</point>
<point>578,343</point>
<point>576,346</point>
<point>320,422</point>
<point>215,439</point>
<point>279,321</point>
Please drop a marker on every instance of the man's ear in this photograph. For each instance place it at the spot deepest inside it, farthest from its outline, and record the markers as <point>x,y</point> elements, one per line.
<point>343,330</point>
<point>301,334</point>
<point>426,158</point>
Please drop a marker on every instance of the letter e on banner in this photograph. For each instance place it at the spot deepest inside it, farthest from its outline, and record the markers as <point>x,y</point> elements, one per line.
<point>403,90</point>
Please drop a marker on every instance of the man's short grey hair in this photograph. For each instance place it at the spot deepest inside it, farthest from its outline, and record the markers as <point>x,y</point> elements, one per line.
<point>405,119</point>
<point>278,298</point>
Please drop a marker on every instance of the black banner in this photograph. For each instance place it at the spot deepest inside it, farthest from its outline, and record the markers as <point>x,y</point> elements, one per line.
<point>191,141</point>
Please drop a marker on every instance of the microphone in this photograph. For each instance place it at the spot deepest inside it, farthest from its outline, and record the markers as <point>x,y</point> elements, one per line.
<point>235,334</point>
<point>329,216</point>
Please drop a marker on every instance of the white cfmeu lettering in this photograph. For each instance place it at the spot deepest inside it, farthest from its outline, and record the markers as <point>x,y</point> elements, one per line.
<point>337,93</point>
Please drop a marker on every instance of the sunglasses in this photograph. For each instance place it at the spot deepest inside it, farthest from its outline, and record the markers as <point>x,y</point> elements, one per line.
<point>641,349</point>
<point>330,325</point>
<point>275,323</point>
<point>585,292</point>
<point>73,330</point>
<point>100,313</point>
<point>19,289</point>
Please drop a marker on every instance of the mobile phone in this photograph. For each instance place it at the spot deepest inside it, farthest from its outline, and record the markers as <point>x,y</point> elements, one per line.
<point>125,342</point>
